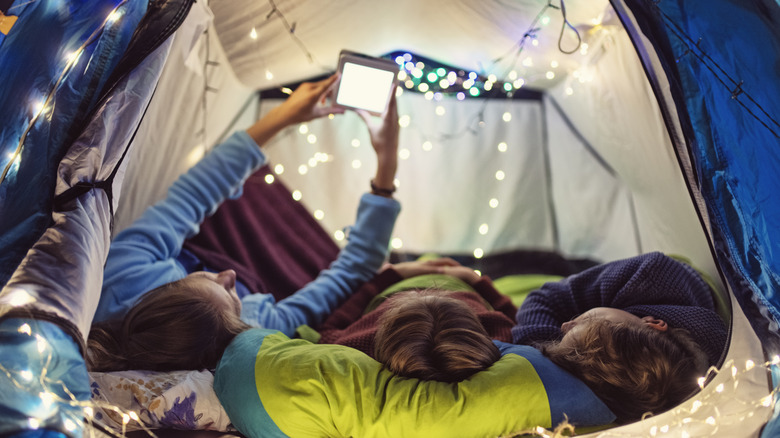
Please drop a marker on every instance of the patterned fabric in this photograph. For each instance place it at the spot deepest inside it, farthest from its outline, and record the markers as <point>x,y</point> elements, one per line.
<point>173,400</point>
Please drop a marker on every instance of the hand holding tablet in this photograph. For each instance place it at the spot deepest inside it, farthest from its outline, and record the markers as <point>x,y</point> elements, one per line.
<point>365,82</point>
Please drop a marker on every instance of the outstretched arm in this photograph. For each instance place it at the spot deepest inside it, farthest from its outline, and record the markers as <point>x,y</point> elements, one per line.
<point>143,256</point>
<point>363,255</point>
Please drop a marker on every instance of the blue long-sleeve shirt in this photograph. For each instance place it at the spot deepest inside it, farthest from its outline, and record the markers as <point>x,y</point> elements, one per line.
<point>144,255</point>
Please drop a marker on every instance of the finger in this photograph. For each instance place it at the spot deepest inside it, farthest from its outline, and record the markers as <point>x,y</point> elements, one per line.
<point>365,116</point>
<point>324,84</point>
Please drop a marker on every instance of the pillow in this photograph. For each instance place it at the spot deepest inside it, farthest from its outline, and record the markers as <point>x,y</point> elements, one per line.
<point>176,399</point>
<point>272,386</point>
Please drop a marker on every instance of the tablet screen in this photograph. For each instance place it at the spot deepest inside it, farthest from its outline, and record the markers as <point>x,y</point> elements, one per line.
<point>364,87</point>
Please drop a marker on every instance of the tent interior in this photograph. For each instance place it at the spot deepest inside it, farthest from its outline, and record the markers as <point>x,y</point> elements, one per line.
<point>525,125</point>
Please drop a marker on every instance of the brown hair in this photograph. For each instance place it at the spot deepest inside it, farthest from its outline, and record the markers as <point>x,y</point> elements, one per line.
<point>172,327</point>
<point>633,369</point>
<point>431,336</point>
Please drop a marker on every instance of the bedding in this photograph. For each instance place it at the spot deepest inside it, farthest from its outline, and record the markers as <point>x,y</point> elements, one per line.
<point>272,386</point>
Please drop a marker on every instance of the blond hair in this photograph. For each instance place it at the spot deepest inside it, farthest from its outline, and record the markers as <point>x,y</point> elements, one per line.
<point>431,336</point>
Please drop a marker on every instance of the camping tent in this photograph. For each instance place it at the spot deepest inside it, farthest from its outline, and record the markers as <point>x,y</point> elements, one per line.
<point>607,129</point>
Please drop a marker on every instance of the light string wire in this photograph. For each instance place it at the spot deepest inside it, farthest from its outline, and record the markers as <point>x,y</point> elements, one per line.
<point>736,88</point>
<point>291,31</point>
<point>684,415</point>
<point>516,50</point>
<point>72,60</point>
<point>49,396</point>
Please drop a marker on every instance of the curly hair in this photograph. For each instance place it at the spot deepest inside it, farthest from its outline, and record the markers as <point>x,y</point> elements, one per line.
<point>172,327</point>
<point>431,336</point>
<point>634,369</point>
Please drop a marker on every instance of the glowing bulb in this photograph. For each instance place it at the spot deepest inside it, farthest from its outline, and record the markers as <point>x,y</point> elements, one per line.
<point>493,203</point>
<point>550,75</point>
<point>685,435</point>
<point>114,16</point>
<point>47,398</point>
<point>339,235</point>
<point>488,86</point>
<point>569,91</point>
<point>269,179</point>
<point>268,74</point>
<point>33,423</point>
<point>89,412</point>
<point>535,42</point>
<point>396,243</point>
<point>396,182</point>
<point>507,116</point>
<point>776,360</point>
<point>483,229</point>
<point>125,418</point>
<point>402,76</point>
<point>710,421</point>
<point>696,405</point>
<point>518,83</point>
<point>733,371</point>
<point>432,77</point>
<point>417,73</point>
<point>404,154</point>
<point>429,95</point>
<point>468,83</point>
<point>584,49</point>
<point>26,375</point>
<point>279,169</point>
<point>399,60</point>
<point>766,401</point>
<point>303,129</point>
<point>474,92</point>
<point>492,78</point>
<point>502,146</point>
<point>25,328</point>
<point>319,214</point>
<point>311,138</point>
<point>440,110</point>
<point>133,415</point>
<point>500,175</point>
<point>528,62</point>
<point>355,143</point>
<point>356,164</point>
<point>427,146</point>
<point>253,34</point>
<point>303,169</point>
<point>665,428</point>
<point>507,86</point>
<point>313,162</point>
<point>654,431</point>
<point>404,120</point>
<point>701,381</point>
<point>478,253</point>
<point>286,90</point>
<point>719,388</point>
<point>545,20</point>
<point>444,83</point>
<point>296,195</point>
<point>40,343</point>
<point>37,108</point>
<point>749,364</point>
<point>70,426</point>
<point>423,87</point>
<point>554,64</point>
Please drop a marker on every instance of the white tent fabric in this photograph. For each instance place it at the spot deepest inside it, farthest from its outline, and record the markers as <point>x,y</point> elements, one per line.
<point>555,192</point>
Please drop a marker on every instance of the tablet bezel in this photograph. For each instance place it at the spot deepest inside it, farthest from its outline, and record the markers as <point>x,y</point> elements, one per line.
<point>348,56</point>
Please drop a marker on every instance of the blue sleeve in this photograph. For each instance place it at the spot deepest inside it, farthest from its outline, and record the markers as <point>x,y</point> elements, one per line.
<point>366,250</point>
<point>143,256</point>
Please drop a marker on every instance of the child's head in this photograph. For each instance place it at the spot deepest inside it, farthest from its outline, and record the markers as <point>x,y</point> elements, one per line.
<point>180,325</point>
<point>635,365</point>
<point>431,336</point>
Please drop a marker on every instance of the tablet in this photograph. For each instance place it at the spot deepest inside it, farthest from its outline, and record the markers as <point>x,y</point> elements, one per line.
<point>365,82</point>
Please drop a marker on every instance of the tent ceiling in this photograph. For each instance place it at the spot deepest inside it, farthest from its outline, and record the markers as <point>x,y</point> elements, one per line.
<point>469,34</point>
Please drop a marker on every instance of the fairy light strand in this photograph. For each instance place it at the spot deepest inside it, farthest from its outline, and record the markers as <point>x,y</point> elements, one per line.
<point>71,62</point>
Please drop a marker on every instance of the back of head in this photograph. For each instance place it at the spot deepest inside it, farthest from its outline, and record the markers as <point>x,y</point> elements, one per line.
<point>431,336</point>
<point>634,369</point>
<point>172,327</point>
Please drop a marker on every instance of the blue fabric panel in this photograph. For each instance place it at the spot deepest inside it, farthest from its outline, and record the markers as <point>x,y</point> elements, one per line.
<point>727,53</point>
<point>565,393</point>
<point>38,357</point>
<point>231,386</point>
<point>32,58</point>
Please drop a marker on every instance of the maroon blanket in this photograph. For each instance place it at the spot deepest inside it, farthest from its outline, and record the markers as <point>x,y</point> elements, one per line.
<point>270,240</point>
